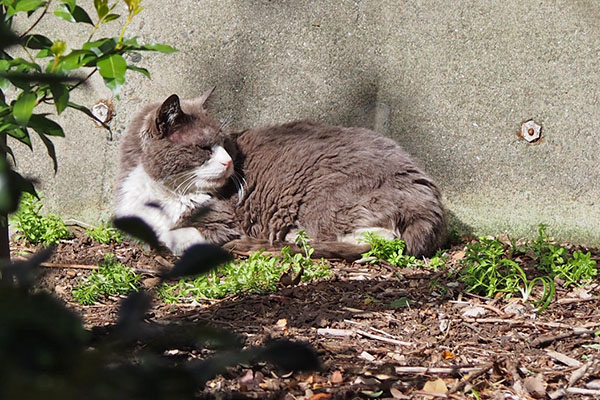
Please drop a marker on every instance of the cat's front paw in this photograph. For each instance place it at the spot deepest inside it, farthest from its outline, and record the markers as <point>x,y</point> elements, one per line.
<point>179,240</point>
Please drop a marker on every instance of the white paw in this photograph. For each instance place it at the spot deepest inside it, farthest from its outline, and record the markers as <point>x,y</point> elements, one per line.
<point>179,240</point>
<point>357,237</point>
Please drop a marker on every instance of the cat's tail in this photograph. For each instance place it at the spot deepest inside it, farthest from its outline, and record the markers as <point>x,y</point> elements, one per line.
<point>346,251</point>
<point>424,235</point>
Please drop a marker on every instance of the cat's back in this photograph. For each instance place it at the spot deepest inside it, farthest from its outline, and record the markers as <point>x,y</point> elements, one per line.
<point>305,145</point>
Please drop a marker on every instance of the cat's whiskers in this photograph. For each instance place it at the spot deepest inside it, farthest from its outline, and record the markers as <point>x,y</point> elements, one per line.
<point>188,179</point>
<point>239,181</point>
<point>225,122</point>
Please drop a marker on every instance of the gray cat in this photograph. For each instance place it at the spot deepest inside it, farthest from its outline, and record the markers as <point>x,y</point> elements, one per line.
<point>261,186</point>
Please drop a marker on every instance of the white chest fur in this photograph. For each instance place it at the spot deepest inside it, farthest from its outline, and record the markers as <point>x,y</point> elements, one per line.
<point>140,196</point>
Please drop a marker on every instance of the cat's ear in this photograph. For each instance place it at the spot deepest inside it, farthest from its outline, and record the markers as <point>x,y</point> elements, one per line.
<point>168,114</point>
<point>201,101</point>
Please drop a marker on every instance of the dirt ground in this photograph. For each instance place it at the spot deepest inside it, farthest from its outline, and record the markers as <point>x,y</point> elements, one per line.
<point>379,334</point>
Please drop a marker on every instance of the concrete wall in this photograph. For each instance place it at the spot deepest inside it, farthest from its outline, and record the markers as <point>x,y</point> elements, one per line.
<point>452,81</point>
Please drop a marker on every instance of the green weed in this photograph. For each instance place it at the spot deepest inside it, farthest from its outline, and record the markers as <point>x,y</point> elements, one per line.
<point>486,272</point>
<point>111,279</point>
<point>259,273</point>
<point>35,227</point>
<point>104,234</point>
<point>391,251</point>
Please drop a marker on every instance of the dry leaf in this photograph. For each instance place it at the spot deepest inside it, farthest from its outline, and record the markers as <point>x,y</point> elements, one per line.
<point>281,324</point>
<point>459,255</point>
<point>438,386</point>
<point>336,377</point>
<point>474,312</point>
<point>535,386</point>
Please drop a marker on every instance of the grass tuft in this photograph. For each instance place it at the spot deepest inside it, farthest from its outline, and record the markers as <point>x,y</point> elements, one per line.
<point>111,279</point>
<point>259,273</point>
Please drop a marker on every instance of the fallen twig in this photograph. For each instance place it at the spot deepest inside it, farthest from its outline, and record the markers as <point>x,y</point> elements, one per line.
<point>531,323</point>
<point>335,332</point>
<point>571,362</point>
<point>579,373</point>
<point>435,370</point>
<point>576,300</point>
<point>545,339</point>
<point>585,392</point>
<point>382,338</point>
<point>95,267</point>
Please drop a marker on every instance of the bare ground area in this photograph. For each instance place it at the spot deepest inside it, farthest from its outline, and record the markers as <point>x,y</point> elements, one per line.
<point>378,334</point>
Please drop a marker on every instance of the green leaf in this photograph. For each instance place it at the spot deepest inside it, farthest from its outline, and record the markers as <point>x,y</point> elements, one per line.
<point>100,47</point>
<point>61,96</point>
<point>141,70</point>
<point>37,42</point>
<point>101,7</point>
<point>163,48</point>
<point>81,15</point>
<point>111,17</point>
<point>75,59</point>
<point>44,125</point>
<point>29,5</point>
<point>71,3</point>
<point>64,12</point>
<point>113,66</point>
<point>112,69</point>
<point>21,134</point>
<point>23,107</point>
<point>73,13</point>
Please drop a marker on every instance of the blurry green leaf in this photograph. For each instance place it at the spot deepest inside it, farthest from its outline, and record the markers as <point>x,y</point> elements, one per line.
<point>163,48</point>
<point>37,42</point>
<point>12,185</point>
<point>23,107</point>
<point>7,37</point>
<point>137,228</point>
<point>402,302</point>
<point>60,93</point>
<point>290,356</point>
<point>29,5</point>
<point>100,47</point>
<point>132,311</point>
<point>199,259</point>
<point>142,71</point>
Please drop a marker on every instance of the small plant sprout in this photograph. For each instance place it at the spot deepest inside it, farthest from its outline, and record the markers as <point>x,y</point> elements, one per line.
<point>104,234</point>
<point>35,227</point>
<point>111,279</point>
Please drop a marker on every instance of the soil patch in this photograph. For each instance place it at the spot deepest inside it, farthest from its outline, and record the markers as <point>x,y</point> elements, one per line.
<point>379,332</point>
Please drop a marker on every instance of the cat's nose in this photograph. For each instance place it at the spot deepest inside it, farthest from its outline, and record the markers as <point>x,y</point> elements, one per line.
<point>227,164</point>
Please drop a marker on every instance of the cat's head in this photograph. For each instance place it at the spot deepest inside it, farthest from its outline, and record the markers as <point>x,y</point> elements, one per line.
<point>183,147</point>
